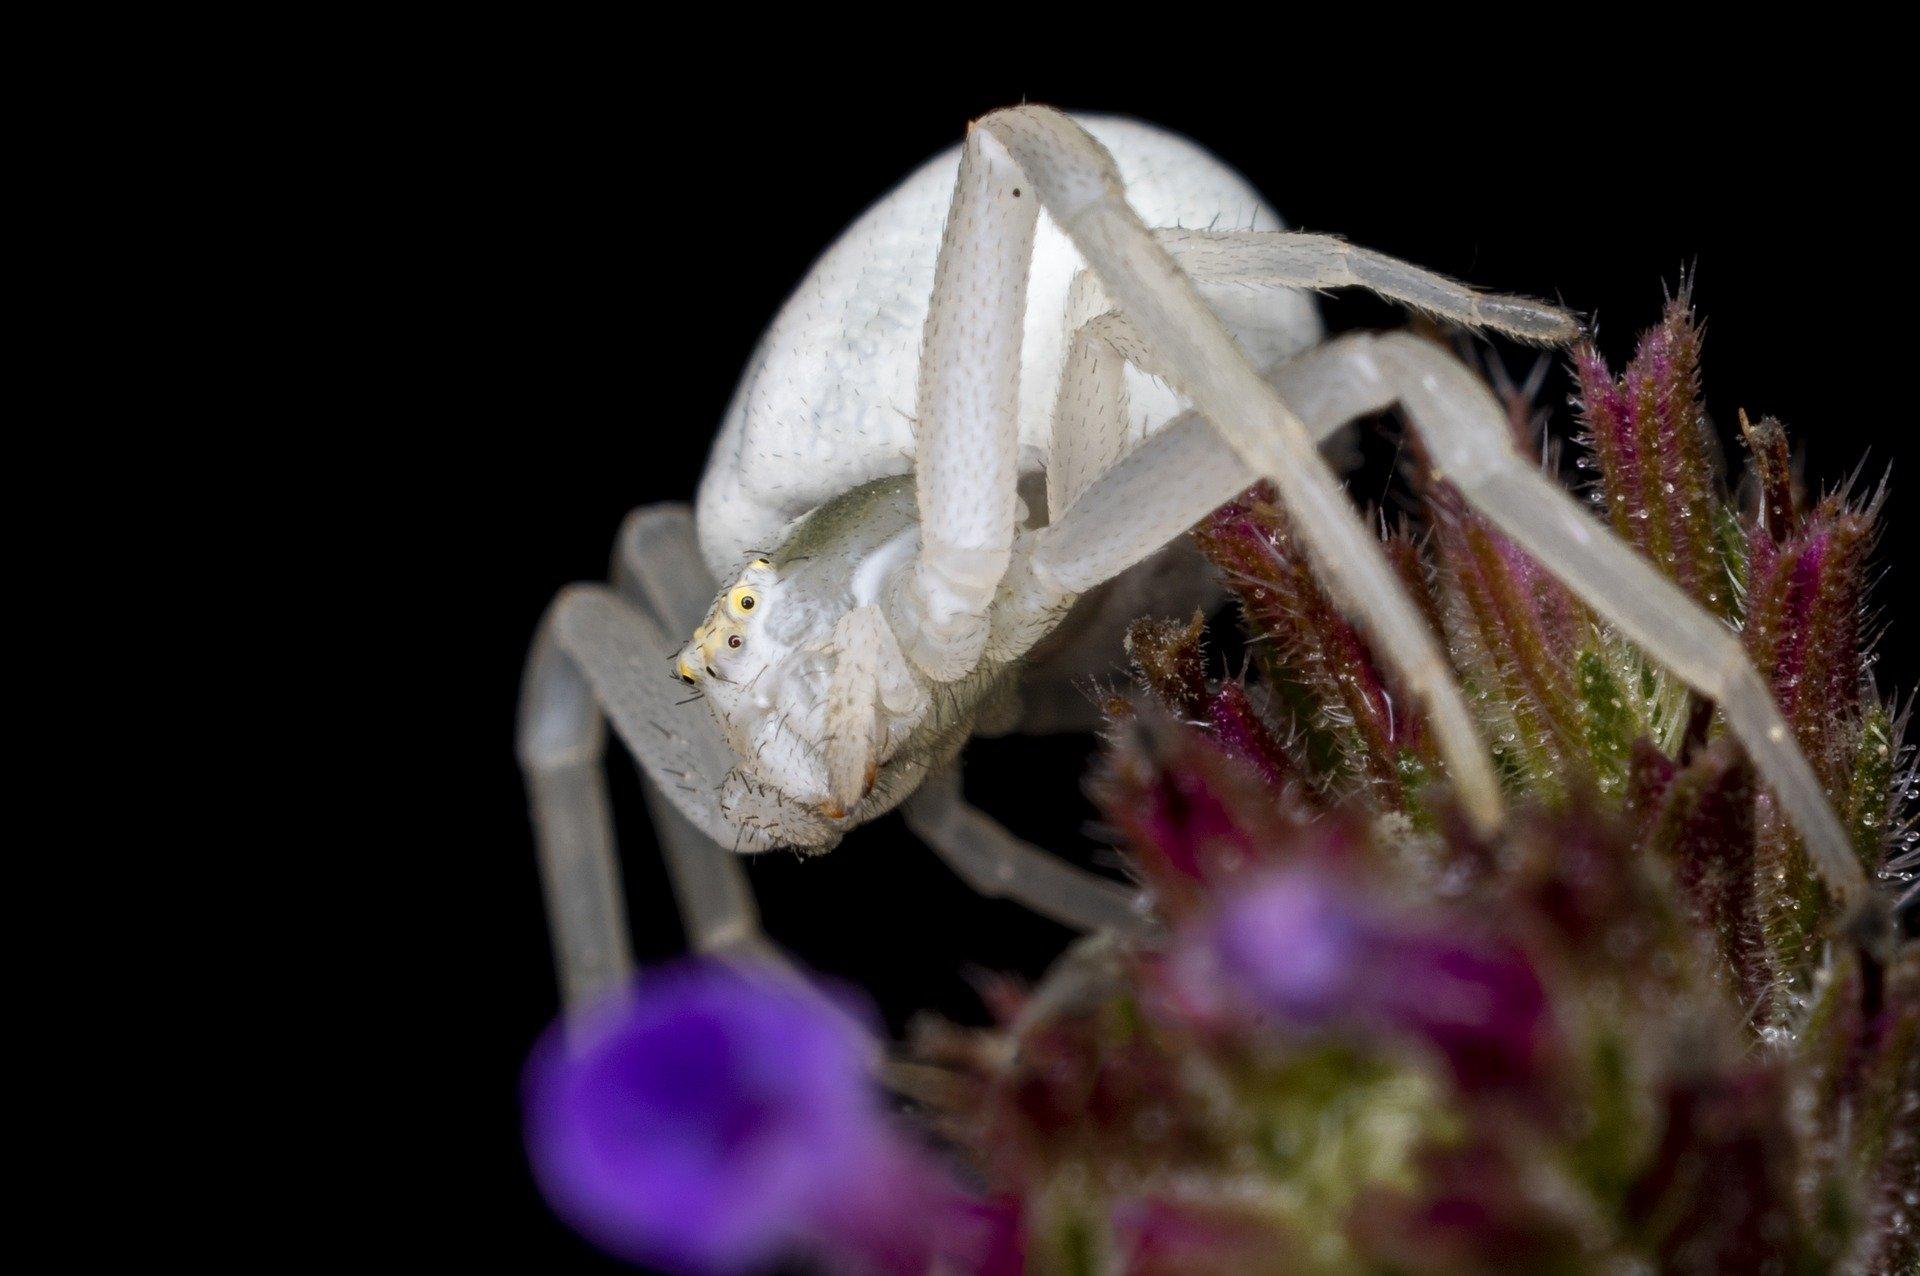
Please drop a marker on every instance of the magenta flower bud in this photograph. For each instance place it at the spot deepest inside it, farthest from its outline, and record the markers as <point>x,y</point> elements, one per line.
<point>1321,667</point>
<point>1647,431</point>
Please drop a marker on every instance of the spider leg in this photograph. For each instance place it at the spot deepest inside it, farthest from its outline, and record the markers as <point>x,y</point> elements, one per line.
<point>597,658</point>
<point>1079,186</point>
<point>1184,472</point>
<point>625,657</point>
<point>966,424</point>
<point>1468,436</point>
<point>658,567</point>
<point>561,745</point>
<point>1090,429</point>
<point>1297,259</point>
<point>999,865</point>
<point>967,474</point>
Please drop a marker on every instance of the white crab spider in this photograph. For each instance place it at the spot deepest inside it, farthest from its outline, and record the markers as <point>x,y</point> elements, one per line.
<point>945,441</point>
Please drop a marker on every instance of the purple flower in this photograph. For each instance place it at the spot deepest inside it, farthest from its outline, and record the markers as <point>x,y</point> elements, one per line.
<point>1293,945</point>
<point>708,1120</point>
<point>1308,948</point>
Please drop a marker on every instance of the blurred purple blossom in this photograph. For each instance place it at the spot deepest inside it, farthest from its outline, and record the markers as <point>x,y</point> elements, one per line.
<point>1315,951</point>
<point>710,1121</point>
<point>1293,946</point>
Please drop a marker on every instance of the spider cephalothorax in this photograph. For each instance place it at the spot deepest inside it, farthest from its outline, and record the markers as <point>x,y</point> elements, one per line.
<point>798,662</point>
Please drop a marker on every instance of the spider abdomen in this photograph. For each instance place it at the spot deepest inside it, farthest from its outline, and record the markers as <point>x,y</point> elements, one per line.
<point>827,401</point>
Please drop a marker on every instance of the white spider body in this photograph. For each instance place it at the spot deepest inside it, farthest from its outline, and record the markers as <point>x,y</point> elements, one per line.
<point>825,414</point>
<point>827,400</point>
<point>1013,383</point>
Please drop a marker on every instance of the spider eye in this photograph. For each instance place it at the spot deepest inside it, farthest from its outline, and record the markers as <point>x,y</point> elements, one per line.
<point>741,600</point>
<point>733,640</point>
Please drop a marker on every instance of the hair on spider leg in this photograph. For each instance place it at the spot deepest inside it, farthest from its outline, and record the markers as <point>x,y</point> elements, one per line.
<point>1528,389</point>
<point>1527,418</point>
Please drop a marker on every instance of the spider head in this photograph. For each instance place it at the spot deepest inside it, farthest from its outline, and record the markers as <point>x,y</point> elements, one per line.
<point>806,682</point>
<point>762,660</point>
<point>724,651</point>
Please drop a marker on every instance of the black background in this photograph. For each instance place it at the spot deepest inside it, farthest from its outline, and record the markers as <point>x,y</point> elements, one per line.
<point>602,252</point>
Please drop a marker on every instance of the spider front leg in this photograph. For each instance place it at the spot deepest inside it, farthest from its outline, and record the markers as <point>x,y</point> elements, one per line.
<point>1185,471</point>
<point>658,567</point>
<point>599,657</point>
<point>966,424</point>
<point>966,477</point>
<point>1080,187</point>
